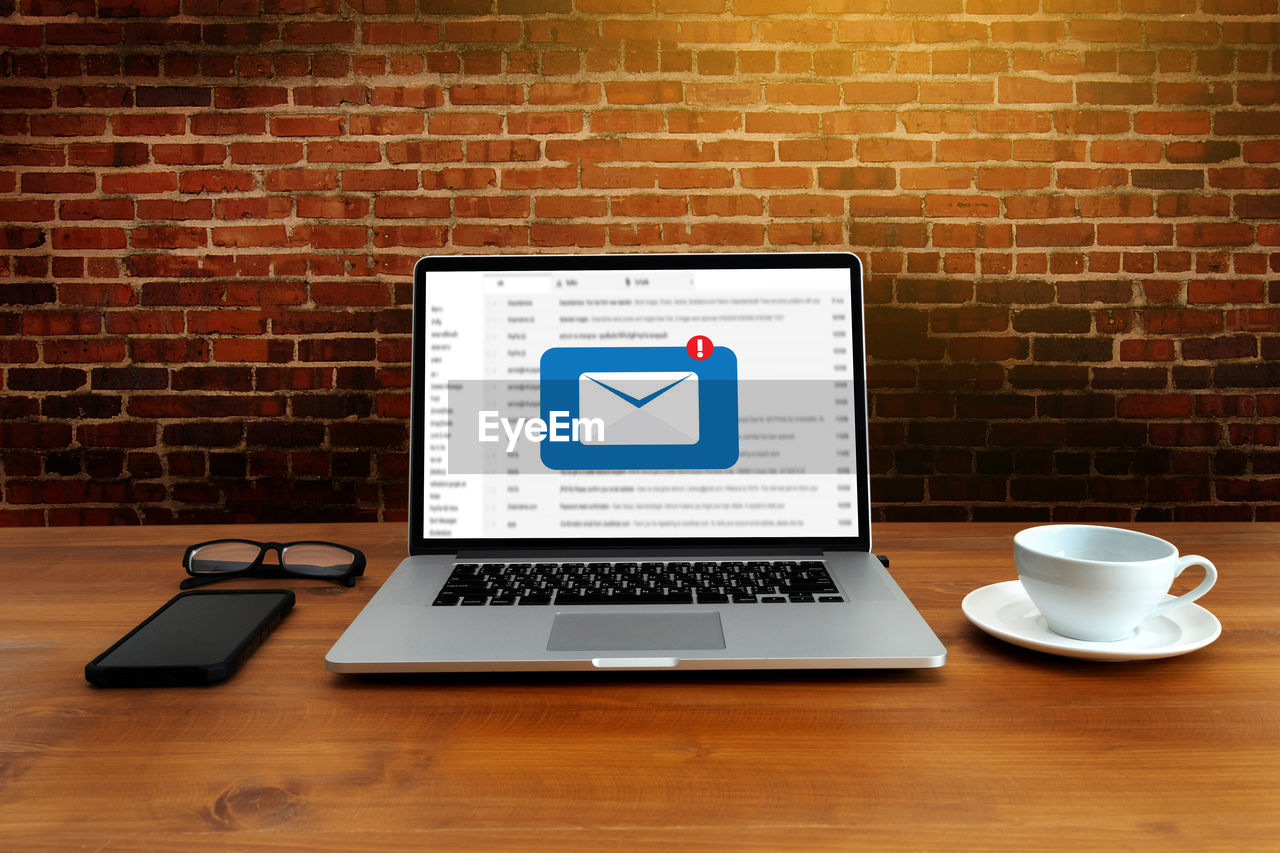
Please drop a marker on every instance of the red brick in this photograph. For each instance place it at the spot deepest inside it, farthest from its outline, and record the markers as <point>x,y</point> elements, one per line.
<point>1176,321</point>
<point>1181,123</point>
<point>485,93</point>
<point>83,34</point>
<point>1028,90</point>
<point>68,125</point>
<point>317,207</point>
<point>304,125</point>
<point>342,152</point>
<point>1255,151</point>
<point>252,208</point>
<point>187,154</point>
<point>339,236</point>
<point>894,150</point>
<point>266,152</point>
<point>1125,151</point>
<point>249,235</point>
<point>160,124</point>
<point>32,155</point>
<point>972,236</point>
<point>228,124</point>
<point>503,150</point>
<point>805,94</point>
<point>1001,177</point>
<point>1226,291</point>
<point>373,180</point>
<point>34,210</point>
<point>293,180</point>
<point>1058,234</point>
<point>84,351</point>
<point>89,238</point>
<point>1145,234</point>
<point>965,206</point>
<point>1147,350</point>
<point>586,94</point>
<point>1215,234</point>
<point>1258,206</point>
<point>464,124</point>
<point>431,236</point>
<point>423,97</point>
<point>401,32</point>
<point>386,124</point>
<point>973,150</point>
<point>956,93</point>
<point>319,32</point>
<point>250,97</point>
<point>94,209</point>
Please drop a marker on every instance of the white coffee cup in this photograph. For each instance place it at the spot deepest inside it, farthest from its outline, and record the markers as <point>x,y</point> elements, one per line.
<point>1099,583</point>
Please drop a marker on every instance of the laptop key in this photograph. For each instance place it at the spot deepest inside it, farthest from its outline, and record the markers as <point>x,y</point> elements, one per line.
<point>565,598</point>
<point>831,599</point>
<point>641,598</point>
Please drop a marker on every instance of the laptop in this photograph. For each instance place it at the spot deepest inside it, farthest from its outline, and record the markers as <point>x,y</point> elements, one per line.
<point>640,461</point>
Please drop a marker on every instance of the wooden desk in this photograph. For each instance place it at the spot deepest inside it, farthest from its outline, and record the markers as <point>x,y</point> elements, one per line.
<point>1002,748</point>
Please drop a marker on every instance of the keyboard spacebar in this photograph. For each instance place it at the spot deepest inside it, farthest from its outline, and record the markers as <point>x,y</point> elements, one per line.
<point>640,598</point>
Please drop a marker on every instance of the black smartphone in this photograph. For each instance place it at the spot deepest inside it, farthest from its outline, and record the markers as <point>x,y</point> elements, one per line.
<point>198,637</point>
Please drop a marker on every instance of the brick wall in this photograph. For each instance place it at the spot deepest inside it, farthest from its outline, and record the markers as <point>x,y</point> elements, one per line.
<point>209,209</point>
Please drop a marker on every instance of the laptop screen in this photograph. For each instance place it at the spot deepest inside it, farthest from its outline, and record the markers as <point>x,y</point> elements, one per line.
<point>614,399</point>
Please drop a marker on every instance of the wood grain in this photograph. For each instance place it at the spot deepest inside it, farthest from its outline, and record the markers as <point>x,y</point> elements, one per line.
<point>1002,748</point>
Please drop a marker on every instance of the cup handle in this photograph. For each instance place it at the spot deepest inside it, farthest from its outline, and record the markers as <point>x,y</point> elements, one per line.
<point>1210,578</point>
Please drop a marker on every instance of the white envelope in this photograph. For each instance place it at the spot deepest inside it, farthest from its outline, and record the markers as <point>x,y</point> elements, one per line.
<point>640,407</point>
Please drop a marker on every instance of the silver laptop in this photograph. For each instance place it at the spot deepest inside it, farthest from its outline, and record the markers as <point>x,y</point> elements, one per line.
<point>638,462</point>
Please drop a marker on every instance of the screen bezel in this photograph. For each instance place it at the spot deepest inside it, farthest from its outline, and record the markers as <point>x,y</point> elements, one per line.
<point>420,544</point>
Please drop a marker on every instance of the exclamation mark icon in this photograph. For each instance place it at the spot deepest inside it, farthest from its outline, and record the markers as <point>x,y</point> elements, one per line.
<point>699,347</point>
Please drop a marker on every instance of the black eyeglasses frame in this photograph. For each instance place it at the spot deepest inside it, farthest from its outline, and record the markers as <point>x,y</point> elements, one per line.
<point>259,569</point>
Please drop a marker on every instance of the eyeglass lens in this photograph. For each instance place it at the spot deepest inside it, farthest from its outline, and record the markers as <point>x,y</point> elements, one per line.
<point>318,560</point>
<point>305,559</point>
<point>224,557</point>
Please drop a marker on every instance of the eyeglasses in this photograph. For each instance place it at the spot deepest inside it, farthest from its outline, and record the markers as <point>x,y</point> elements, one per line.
<point>224,559</point>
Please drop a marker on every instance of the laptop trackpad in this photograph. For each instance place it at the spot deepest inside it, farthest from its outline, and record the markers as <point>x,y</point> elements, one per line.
<point>617,632</point>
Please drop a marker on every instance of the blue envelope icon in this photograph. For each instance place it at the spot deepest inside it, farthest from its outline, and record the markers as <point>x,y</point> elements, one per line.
<point>640,407</point>
<point>644,408</point>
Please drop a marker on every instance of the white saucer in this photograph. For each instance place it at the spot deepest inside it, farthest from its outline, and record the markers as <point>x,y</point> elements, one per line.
<point>1003,610</point>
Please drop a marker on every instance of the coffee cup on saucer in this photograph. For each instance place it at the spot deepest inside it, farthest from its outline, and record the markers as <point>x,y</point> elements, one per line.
<point>1100,583</point>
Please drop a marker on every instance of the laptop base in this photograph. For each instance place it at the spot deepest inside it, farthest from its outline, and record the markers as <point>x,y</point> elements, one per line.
<point>399,631</point>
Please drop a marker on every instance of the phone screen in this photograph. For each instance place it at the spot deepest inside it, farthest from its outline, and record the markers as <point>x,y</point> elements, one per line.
<point>197,630</point>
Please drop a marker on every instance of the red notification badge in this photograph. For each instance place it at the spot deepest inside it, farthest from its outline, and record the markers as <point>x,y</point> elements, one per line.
<point>699,347</point>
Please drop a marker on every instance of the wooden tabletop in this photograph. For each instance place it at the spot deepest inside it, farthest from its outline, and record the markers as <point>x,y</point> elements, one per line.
<point>1002,748</point>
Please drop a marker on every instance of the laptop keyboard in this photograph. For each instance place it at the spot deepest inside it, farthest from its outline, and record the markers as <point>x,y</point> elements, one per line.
<point>757,582</point>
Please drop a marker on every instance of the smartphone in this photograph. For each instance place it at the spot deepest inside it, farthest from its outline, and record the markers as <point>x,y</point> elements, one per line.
<point>198,637</point>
